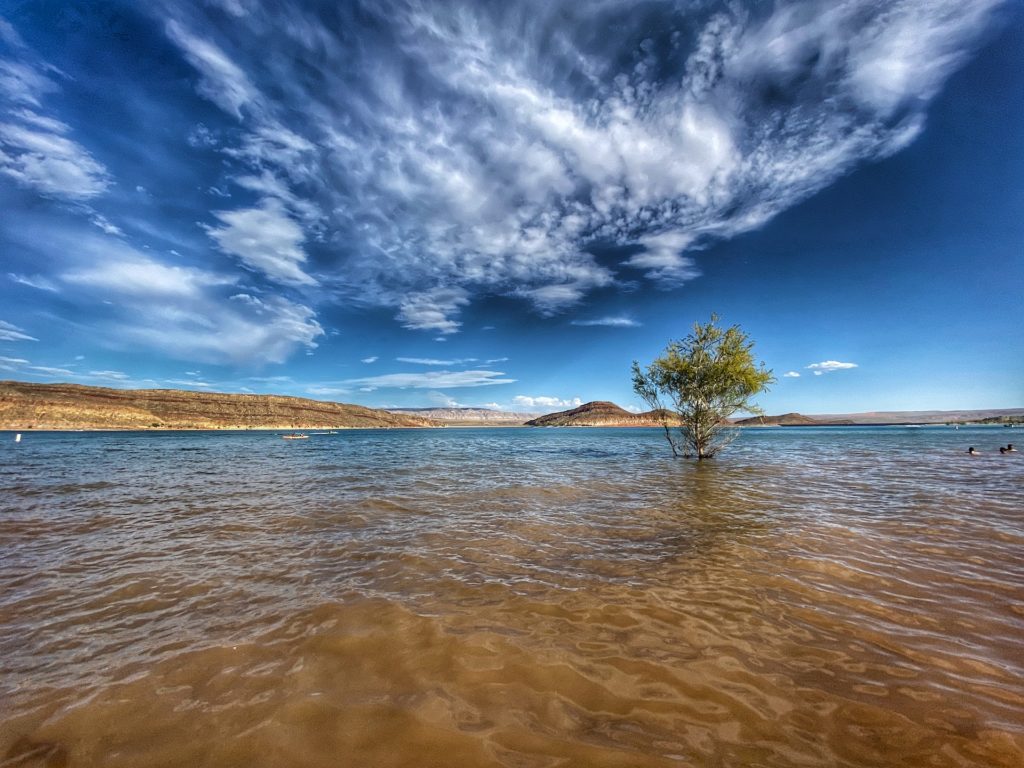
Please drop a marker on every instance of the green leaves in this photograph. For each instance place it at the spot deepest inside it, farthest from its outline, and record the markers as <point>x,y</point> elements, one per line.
<point>707,377</point>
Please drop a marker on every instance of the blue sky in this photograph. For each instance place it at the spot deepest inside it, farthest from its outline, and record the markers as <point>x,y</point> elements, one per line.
<point>412,204</point>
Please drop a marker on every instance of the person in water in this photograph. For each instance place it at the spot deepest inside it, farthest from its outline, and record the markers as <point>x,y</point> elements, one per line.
<point>1010,449</point>
<point>973,452</point>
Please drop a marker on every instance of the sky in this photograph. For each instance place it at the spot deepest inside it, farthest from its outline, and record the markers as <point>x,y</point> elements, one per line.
<point>503,204</point>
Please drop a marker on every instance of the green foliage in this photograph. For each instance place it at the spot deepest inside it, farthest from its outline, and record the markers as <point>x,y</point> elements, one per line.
<point>698,383</point>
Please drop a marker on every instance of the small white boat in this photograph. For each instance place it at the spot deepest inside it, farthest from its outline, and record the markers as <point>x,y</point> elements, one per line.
<point>295,437</point>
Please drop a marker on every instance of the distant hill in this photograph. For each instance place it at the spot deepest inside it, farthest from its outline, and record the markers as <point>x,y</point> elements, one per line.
<point>25,406</point>
<point>991,415</point>
<point>468,415</point>
<point>599,413</point>
<point>790,420</point>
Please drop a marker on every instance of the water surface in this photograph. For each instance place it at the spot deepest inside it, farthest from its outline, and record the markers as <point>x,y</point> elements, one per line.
<point>511,597</point>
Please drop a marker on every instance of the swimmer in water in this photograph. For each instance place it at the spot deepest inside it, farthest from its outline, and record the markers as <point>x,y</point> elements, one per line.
<point>971,451</point>
<point>1010,448</point>
<point>1001,449</point>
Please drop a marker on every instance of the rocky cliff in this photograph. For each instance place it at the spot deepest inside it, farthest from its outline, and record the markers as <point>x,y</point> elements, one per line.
<point>25,406</point>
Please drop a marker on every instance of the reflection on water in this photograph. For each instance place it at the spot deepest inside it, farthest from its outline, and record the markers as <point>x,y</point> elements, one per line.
<point>511,598</point>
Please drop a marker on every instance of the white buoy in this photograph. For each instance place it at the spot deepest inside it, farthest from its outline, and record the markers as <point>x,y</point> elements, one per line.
<point>17,438</point>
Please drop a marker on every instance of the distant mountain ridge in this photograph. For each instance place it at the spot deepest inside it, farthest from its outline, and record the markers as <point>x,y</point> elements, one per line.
<point>601,413</point>
<point>24,405</point>
<point>468,415</point>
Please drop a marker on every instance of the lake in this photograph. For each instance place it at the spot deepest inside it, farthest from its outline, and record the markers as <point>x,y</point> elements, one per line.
<point>512,597</point>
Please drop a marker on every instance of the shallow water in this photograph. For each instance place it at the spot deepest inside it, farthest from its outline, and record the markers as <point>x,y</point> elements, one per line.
<point>511,597</point>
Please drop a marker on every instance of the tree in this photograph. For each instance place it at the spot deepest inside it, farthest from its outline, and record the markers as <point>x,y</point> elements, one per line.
<point>705,379</point>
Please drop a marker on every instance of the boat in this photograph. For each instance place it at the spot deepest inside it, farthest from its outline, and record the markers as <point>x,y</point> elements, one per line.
<point>295,437</point>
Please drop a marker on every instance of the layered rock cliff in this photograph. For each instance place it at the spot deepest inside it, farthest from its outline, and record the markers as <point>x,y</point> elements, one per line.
<point>25,405</point>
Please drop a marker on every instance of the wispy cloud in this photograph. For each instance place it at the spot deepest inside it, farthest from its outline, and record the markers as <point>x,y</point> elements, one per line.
<point>222,81</point>
<point>372,359</point>
<point>433,310</point>
<point>110,375</point>
<point>828,366</point>
<point>189,383</point>
<point>541,401</point>
<point>187,312</point>
<point>44,159</point>
<point>497,166</point>
<point>430,380</point>
<point>610,321</point>
<point>434,361</point>
<point>11,332</point>
<point>35,148</point>
<point>39,282</point>
<point>791,375</point>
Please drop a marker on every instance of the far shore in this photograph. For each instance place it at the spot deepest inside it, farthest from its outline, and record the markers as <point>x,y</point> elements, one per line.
<point>474,425</point>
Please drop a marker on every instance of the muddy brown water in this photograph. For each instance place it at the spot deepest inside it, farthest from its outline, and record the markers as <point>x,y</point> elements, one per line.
<point>489,597</point>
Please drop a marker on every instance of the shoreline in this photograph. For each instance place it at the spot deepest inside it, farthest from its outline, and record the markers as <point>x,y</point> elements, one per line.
<point>481,425</point>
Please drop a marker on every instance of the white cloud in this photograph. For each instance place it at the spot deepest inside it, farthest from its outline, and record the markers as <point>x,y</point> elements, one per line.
<point>189,383</point>
<point>433,361</point>
<point>265,239</point>
<point>511,151</point>
<point>443,400</point>
<point>116,375</point>
<point>38,282</point>
<point>23,84</point>
<point>433,310</point>
<point>791,375</point>
<point>609,321</point>
<point>372,359</point>
<point>223,82</point>
<point>431,380</point>
<point>142,276</point>
<point>186,312</point>
<point>827,366</point>
<point>35,153</point>
<point>662,258</point>
<point>11,332</point>
<point>526,401</point>
<point>320,391</point>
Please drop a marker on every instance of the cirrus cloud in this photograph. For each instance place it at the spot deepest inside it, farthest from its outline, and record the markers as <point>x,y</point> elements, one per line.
<point>477,162</point>
<point>430,380</point>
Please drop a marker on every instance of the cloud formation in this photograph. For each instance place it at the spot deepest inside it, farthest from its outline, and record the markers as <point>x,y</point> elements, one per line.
<point>610,321</point>
<point>791,375</point>
<point>11,332</point>
<point>188,313</point>
<point>457,151</point>
<point>430,380</point>
<point>541,401</point>
<point>828,366</point>
<point>265,239</point>
<point>434,361</point>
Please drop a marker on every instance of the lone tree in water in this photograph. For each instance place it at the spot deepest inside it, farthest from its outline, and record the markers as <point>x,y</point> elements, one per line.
<point>698,383</point>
